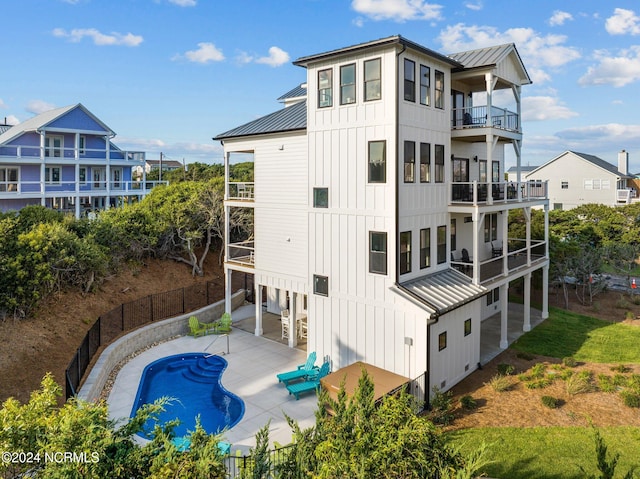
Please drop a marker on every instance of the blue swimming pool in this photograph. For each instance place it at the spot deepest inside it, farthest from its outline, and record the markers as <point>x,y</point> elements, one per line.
<point>193,381</point>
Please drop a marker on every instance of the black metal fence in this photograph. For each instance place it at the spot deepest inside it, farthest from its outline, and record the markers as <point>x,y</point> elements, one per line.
<point>276,464</point>
<point>129,316</point>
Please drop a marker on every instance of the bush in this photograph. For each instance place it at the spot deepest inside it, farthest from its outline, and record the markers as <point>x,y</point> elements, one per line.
<point>500,383</point>
<point>550,402</point>
<point>622,303</point>
<point>630,398</point>
<point>606,383</point>
<point>539,383</point>
<point>629,315</point>
<point>620,368</point>
<point>579,383</point>
<point>441,407</point>
<point>506,369</point>
<point>569,362</point>
<point>467,402</point>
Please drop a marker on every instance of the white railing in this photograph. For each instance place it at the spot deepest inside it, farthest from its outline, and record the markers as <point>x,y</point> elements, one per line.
<point>11,189</point>
<point>474,192</point>
<point>28,152</point>
<point>241,190</point>
<point>242,252</point>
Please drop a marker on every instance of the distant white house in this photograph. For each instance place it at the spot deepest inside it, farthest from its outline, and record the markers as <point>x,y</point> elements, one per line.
<point>512,172</point>
<point>150,165</point>
<point>576,179</point>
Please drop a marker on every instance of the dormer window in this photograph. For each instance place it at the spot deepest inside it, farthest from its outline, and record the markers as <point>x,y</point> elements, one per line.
<point>325,88</point>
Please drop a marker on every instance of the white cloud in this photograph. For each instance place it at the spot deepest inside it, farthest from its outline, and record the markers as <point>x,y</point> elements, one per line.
<point>614,132</point>
<point>542,108</point>
<point>623,22</point>
<point>39,106</point>
<point>184,3</point>
<point>276,57</point>
<point>77,34</point>
<point>397,10</point>
<point>11,120</point>
<point>617,71</point>
<point>206,53</point>
<point>538,51</point>
<point>559,17</point>
<point>474,6</point>
<point>243,58</point>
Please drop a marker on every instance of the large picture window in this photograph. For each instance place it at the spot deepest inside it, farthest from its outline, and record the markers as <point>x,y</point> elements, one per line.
<point>425,248</point>
<point>439,164</point>
<point>347,84</point>
<point>377,161</point>
<point>409,161</point>
<point>372,80</point>
<point>439,89</point>
<point>405,252</point>
<point>409,80</point>
<point>442,244</point>
<point>325,88</point>
<point>377,252</point>
<point>425,85</point>
<point>9,179</point>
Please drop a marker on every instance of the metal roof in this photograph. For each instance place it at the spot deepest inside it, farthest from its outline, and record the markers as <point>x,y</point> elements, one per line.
<point>488,57</point>
<point>444,291</point>
<point>4,128</point>
<point>289,118</point>
<point>599,162</point>
<point>298,92</point>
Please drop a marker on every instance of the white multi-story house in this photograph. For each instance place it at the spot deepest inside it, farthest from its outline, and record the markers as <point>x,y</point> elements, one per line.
<point>380,206</point>
<point>576,179</point>
<point>64,159</point>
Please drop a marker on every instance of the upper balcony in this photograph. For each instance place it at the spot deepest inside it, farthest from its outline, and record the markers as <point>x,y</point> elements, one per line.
<point>474,123</point>
<point>474,193</point>
<point>240,191</point>
<point>33,154</point>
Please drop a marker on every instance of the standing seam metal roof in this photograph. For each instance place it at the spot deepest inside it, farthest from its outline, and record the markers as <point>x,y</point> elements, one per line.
<point>297,92</point>
<point>290,118</point>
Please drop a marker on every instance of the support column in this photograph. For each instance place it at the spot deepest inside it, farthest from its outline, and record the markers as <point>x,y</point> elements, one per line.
<point>504,316</point>
<point>42,169</point>
<point>545,292</point>
<point>293,320</point>
<point>107,200</point>
<point>527,303</point>
<point>478,220</point>
<point>257,294</point>
<point>76,154</point>
<point>227,290</point>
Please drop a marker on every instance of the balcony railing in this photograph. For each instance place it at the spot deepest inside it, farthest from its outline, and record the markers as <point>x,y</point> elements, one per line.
<point>27,152</point>
<point>518,257</point>
<point>477,193</point>
<point>478,117</point>
<point>241,190</point>
<point>242,252</point>
<point>12,189</point>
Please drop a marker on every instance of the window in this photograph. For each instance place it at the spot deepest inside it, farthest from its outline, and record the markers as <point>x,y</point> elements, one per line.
<point>489,298</point>
<point>377,162</point>
<point>606,184</point>
<point>482,171</point>
<point>116,177</point>
<point>321,197</point>
<point>54,146</point>
<point>321,285</point>
<point>425,85</point>
<point>467,327</point>
<point>564,185</point>
<point>439,89</point>
<point>405,252</point>
<point>425,162</point>
<point>8,179</point>
<point>425,248</point>
<point>596,184</point>
<point>409,161</point>
<point>377,252</point>
<point>82,176</point>
<point>442,341</point>
<point>372,83</point>
<point>588,184</point>
<point>409,80</point>
<point>52,174</point>
<point>82,142</point>
<point>495,171</point>
<point>490,227</point>
<point>496,295</point>
<point>325,88</point>
<point>348,84</point>
<point>453,234</point>
<point>439,171</point>
<point>442,244</point>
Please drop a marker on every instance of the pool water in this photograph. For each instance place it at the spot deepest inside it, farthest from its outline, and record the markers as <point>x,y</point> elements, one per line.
<point>192,380</point>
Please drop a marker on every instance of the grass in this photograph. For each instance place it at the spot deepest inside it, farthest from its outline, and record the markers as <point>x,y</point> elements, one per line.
<point>582,337</point>
<point>548,452</point>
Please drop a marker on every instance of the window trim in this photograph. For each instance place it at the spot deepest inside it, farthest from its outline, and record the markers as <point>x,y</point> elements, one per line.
<point>410,154</point>
<point>344,85</point>
<point>323,91</point>
<point>426,177</point>
<point>373,80</point>
<point>452,234</point>
<point>316,198</point>
<point>381,253</point>
<point>425,86</point>
<point>407,253</point>
<point>467,327</point>
<point>439,89</point>
<point>82,181</point>
<point>441,233</point>
<point>49,175</point>
<point>383,162</point>
<point>425,248</point>
<point>410,83</point>
<point>9,185</point>
<point>439,164</point>
<point>82,145</point>
<point>442,341</point>
<point>58,151</point>
<point>316,283</point>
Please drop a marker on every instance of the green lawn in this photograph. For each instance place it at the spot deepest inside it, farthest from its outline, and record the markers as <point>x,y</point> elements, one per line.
<point>549,452</point>
<point>557,452</point>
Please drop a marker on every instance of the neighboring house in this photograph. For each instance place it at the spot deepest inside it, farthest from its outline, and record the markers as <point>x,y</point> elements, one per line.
<point>64,159</point>
<point>149,165</point>
<point>369,190</point>
<point>576,179</point>
<point>512,173</point>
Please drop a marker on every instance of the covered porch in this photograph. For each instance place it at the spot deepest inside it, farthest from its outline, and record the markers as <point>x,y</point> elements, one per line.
<point>244,318</point>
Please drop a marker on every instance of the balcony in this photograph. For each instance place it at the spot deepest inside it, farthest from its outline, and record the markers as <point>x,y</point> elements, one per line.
<point>519,257</point>
<point>478,117</point>
<point>242,253</point>
<point>30,154</point>
<point>242,191</point>
<point>33,189</point>
<point>474,193</point>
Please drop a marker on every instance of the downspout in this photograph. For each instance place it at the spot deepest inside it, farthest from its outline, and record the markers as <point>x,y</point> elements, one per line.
<point>397,155</point>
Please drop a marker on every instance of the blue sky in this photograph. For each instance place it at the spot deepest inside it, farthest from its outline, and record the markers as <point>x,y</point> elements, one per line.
<point>168,75</point>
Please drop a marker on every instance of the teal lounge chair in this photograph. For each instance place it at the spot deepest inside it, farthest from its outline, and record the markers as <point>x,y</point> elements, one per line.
<point>312,384</point>
<point>301,372</point>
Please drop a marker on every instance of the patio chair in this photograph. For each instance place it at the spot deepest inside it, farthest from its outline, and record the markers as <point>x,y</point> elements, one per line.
<point>196,328</point>
<point>496,248</point>
<point>465,256</point>
<point>312,384</point>
<point>223,325</point>
<point>301,372</point>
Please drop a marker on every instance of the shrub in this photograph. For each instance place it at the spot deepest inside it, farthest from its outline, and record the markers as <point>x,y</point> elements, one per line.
<point>538,370</point>
<point>629,315</point>
<point>579,383</point>
<point>549,402</point>
<point>569,362</point>
<point>633,382</point>
<point>500,383</point>
<point>622,303</point>
<point>441,407</point>
<point>630,398</point>
<point>506,369</point>
<point>620,368</point>
<point>467,402</point>
<point>538,383</point>
<point>606,384</point>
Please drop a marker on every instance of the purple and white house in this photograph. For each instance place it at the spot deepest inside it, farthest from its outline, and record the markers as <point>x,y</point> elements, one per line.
<point>64,159</point>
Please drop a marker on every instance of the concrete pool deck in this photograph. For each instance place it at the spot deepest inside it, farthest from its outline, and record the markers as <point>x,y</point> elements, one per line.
<point>251,375</point>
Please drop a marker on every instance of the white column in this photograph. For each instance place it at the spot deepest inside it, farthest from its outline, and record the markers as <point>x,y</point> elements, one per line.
<point>107,201</point>
<point>227,290</point>
<point>478,219</point>
<point>545,292</point>
<point>505,242</point>
<point>76,154</point>
<point>293,320</point>
<point>42,169</point>
<point>257,293</point>
<point>527,303</point>
<point>504,316</point>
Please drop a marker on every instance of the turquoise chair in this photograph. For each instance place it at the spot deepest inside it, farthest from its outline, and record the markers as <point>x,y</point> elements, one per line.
<point>301,372</point>
<point>312,384</point>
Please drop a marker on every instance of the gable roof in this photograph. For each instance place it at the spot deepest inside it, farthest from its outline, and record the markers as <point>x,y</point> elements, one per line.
<point>594,160</point>
<point>523,169</point>
<point>298,92</point>
<point>43,120</point>
<point>286,119</point>
<point>490,57</point>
